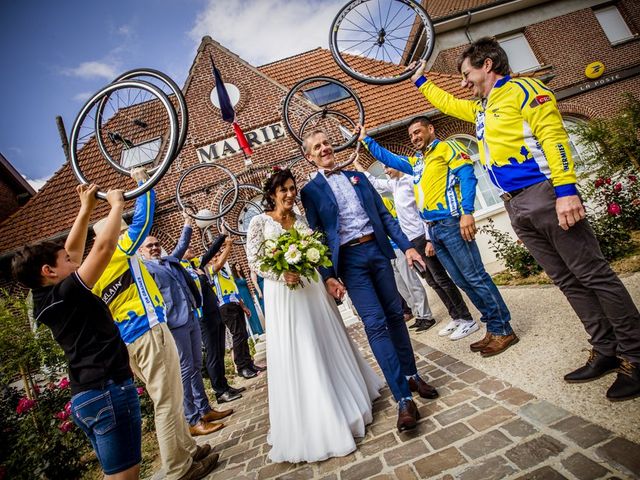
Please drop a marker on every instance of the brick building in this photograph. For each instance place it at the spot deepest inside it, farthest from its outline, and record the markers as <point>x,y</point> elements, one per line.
<point>563,36</point>
<point>15,191</point>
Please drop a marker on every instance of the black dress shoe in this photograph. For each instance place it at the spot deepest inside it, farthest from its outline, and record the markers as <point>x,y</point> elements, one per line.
<point>235,391</point>
<point>423,388</point>
<point>247,373</point>
<point>627,384</point>
<point>425,324</point>
<point>416,324</point>
<point>407,415</point>
<point>597,365</point>
<point>257,368</point>
<point>228,396</point>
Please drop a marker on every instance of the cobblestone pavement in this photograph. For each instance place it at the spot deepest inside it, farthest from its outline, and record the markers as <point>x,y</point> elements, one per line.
<point>480,428</point>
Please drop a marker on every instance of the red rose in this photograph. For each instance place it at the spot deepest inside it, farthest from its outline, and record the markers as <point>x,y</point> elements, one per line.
<point>614,209</point>
<point>67,407</point>
<point>140,391</point>
<point>65,426</point>
<point>599,183</point>
<point>617,187</point>
<point>64,383</point>
<point>607,181</point>
<point>62,415</point>
<point>24,405</point>
<point>632,178</point>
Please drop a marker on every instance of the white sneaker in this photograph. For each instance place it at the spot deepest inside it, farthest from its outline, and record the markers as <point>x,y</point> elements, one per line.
<point>464,329</point>
<point>449,328</point>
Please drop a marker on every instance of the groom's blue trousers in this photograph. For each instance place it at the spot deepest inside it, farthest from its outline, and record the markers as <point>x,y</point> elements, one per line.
<point>368,276</point>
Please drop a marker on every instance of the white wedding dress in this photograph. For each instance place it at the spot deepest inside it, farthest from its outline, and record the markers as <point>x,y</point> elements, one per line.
<point>320,386</point>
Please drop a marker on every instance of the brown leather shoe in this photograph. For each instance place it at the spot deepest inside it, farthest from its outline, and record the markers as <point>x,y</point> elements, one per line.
<point>213,415</point>
<point>407,415</point>
<point>202,468</point>
<point>204,428</point>
<point>480,344</point>
<point>423,388</point>
<point>201,452</point>
<point>498,344</point>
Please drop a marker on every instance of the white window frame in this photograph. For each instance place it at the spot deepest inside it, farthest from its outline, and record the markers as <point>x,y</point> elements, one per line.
<point>131,157</point>
<point>577,146</point>
<point>613,24</point>
<point>485,209</point>
<point>526,51</point>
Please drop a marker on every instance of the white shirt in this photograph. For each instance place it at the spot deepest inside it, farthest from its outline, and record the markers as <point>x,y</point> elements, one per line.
<point>411,223</point>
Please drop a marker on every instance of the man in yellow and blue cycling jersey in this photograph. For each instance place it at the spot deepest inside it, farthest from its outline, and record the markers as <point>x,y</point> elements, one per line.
<point>138,309</point>
<point>525,149</point>
<point>445,186</point>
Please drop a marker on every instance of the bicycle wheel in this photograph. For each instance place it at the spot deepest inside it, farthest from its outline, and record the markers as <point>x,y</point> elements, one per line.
<point>142,128</point>
<point>372,40</point>
<point>247,205</point>
<point>308,98</point>
<point>170,89</point>
<point>196,192</point>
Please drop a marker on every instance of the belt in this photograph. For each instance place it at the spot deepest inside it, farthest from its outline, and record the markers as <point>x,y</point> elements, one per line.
<point>506,196</point>
<point>358,241</point>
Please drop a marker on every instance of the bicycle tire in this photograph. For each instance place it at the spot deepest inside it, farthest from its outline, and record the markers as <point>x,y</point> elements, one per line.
<point>339,56</point>
<point>185,206</point>
<point>169,156</point>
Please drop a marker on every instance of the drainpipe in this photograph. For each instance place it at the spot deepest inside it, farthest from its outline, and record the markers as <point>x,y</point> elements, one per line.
<point>466,27</point>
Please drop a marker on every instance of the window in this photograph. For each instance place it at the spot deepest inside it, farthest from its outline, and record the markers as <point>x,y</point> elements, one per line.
<point>487,194</point>
<point>613,24</point>
<point>326,94</point>
<point>521,57</point>
<point>141,154</point>
<point>579,150</point>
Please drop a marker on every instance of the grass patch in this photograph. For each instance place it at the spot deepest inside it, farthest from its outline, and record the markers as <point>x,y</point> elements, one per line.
<point>623,266</point>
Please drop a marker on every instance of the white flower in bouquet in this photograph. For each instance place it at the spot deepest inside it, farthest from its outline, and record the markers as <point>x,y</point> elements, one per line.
<point>293,255</point>
<point>313,255</point>
<point>303,229</point>
<point>269,248</point>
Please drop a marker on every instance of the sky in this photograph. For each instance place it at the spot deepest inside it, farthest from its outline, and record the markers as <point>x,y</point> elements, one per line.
<point>55,55</point>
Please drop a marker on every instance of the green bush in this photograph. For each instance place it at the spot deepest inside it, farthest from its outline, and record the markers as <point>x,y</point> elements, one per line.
<point>513,254</point>
<point>38,436</point>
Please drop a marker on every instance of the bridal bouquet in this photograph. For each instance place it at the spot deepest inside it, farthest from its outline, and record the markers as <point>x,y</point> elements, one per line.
<point>299,250</point>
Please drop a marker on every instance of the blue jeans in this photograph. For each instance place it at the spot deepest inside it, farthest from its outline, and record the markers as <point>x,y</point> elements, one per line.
<point>464,264</point>
<point>111,419</point>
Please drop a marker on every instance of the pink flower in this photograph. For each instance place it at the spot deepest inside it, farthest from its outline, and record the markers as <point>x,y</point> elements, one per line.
<point>140,391</point>
<point>599,183</point>
<point>355,180</point>
<point>614,209</point>
<point>24,405</point>
<point>67,407</point>
<point>65,426</point>
<point>63,415</point>
<point>64,383</point>
<point>617,187</point>
<point>607,181</point>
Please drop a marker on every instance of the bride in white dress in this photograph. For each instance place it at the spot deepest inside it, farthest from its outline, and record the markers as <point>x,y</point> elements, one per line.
<point>320,386</point>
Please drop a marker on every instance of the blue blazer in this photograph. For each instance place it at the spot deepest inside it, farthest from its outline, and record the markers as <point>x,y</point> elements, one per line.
<point>321,209</point>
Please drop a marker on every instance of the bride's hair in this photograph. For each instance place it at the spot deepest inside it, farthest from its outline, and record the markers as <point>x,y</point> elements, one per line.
<point>277,177</point>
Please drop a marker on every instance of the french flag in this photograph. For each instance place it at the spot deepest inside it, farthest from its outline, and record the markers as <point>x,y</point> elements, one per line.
<point>228,113</point>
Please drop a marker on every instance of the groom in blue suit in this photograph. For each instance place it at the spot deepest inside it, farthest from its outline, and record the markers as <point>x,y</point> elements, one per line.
<point>348,210</point>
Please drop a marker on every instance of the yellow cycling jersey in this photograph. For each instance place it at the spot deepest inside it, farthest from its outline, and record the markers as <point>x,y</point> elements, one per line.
<point>444,183</point>
<point>225,286</point>
<point>520,134</point>
<point>126,286</point>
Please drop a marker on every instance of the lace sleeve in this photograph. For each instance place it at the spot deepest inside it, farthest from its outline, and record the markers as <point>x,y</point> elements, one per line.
<point>255,249</point>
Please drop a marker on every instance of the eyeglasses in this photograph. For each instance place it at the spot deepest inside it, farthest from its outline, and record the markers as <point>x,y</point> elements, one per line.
<point>152,245</point>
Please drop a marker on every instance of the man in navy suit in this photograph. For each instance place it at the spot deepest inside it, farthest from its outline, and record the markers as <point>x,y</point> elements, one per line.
<point>348,210</point>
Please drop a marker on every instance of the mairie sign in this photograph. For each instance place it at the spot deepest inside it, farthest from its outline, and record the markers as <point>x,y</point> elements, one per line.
<point>229,146</point>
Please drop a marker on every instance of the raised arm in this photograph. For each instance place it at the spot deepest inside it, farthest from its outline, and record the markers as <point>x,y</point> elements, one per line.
<point>140,226</point>
<point>105,243</point>
<point>213,249</point>
<point>185,237</point>
<point>77,239</point>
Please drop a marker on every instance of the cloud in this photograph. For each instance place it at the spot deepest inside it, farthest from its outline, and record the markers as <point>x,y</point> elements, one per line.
<point>37,183</point>
<point>92,70</point>
<point>82,96</point>
<point>261,31</point>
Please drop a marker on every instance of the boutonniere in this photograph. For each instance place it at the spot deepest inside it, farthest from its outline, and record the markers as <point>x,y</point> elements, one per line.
<point>355,181</point>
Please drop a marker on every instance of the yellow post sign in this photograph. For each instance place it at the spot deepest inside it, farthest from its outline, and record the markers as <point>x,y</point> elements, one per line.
<point>594,70</point>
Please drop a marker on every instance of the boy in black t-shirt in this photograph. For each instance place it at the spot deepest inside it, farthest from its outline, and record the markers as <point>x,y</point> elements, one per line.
<point>104,399</point>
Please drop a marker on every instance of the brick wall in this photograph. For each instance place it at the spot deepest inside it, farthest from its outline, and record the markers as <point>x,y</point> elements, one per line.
<point>8,200</point>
